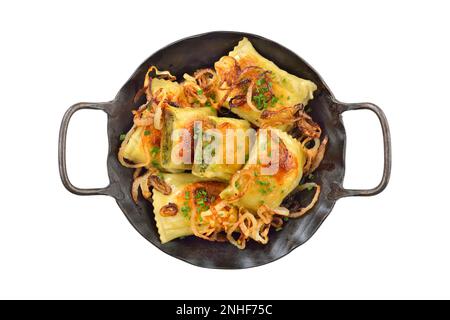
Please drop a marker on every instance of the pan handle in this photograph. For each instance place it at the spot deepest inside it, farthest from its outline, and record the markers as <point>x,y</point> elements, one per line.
<point>112,189</point>
<point>338,190</point>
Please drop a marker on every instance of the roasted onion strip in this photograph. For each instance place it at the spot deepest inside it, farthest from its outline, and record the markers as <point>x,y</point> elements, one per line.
<point>304,210</point>
<point>206,79</point>
<point>307,126</point>
<point>169,210</point>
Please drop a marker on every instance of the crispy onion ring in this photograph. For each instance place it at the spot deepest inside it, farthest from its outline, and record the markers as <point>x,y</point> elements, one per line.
<point>319,155</point>
<point>140,182</point>
<point>240,183</point>
<point>228,70</point>
<point>265,213</point>
<point>277,222</point>
<point>193,91</point>
<point>285,115</point>
<point>237,101</point>
<point>310,153</point>
<point>206,79</point>
<point>140,121</point>
<point>261,232</point>
<point>304,210</point>
<point>169,210</point>
<point>166,75</point>
<point>307,126</point>
<point>159,184</point>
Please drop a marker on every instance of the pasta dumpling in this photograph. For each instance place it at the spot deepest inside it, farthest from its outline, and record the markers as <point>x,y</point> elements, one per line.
<point>253,186</point>
<point>176,119</point>
<point>258,90</point>
<point>221,168</point>
<point>173,211</point>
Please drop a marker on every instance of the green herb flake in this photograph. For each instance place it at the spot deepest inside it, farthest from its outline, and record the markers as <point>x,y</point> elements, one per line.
<point>286,219</point>
<point>208,104</point>
<point>155,163</point>
<point>154,150</point>
<point>147,132</point>
<point>274,100</point>
<point>260,82</point>
<point>262,183</point>
<point>122,136</point>
<point>185,210</point>
<point>187,195</point>
<point>199,92</point>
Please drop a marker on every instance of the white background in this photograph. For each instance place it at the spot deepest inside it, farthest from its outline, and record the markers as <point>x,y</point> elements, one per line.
<point>57,245</point>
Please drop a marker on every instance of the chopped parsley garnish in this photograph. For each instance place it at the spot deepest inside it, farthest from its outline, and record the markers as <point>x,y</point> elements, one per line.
<point>208,104</point>
<point>154,151</point>
<point>310,176</point>
<point>286,219</point>
<point>187,195</point>
<point>155,163</point>
<point>185,210</point>
<point>263,183</point>
<point>265,186</point>
<point>199,92</point>
<point>260,101</point>
<point>147,132</point>
<point>274,100</point>
<point>213,97</point>
<point>122,136</point>
<point>201,200</point>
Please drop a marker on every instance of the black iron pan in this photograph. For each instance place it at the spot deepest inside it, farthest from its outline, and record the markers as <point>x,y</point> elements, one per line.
<point>200,51</point>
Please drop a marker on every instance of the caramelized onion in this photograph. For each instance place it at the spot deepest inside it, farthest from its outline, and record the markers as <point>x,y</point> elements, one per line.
<point>160,185</point>
<point>169,210</point>
<point>320,154</point>
<point>307,126</point>
<point>228,70</point>
<point>161,74</point>
<point>304,210</point>
<point>282,211</point>
<point>205,78</point>
<point>250,97</point>
<point>277,222</point>
<point>237,101</point>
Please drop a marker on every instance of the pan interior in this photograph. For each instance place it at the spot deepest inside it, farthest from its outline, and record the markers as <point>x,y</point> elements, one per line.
<point>202,51</point>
